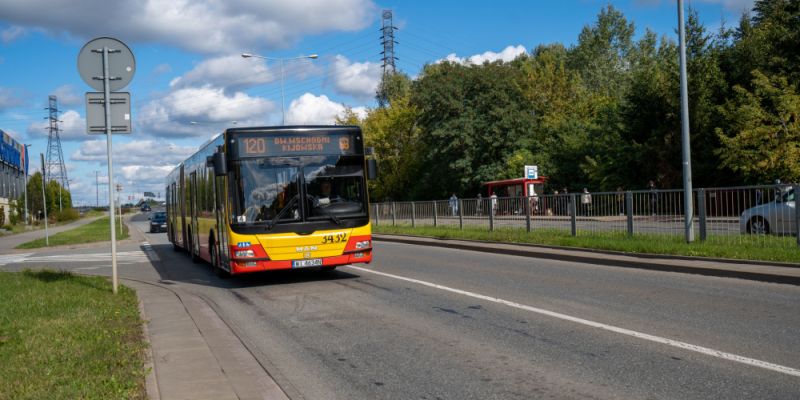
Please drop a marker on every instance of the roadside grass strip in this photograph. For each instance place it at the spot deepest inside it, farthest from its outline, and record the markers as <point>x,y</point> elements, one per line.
<point>97,231</point>
<point>64,336</point>
<point>733,247</point>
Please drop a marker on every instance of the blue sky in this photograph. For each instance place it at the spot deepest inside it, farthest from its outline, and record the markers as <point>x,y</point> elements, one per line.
<point>191,82</point>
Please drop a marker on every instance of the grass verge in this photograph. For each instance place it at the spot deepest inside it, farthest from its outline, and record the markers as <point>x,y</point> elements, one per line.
<point>64,336</point>
<point>96,231</point>
<point>782,249</point>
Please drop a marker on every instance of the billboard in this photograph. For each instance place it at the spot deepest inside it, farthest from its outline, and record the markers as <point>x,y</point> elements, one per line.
<point>12,152</point>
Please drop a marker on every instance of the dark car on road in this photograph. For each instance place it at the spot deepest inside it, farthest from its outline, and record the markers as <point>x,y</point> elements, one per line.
<point>145,207</point>
<point>158,222</point>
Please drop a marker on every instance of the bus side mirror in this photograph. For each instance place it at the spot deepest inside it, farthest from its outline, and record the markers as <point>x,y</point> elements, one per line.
<point>220,164</point>
<point>372,169</point>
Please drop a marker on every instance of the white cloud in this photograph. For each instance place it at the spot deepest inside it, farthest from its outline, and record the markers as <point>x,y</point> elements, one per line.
<point>226,72</point>
<point>12,33</point>
<point>161,69</point>
<point>67,96</point>
<point>8,99</point>
<point>71,127</point>
<point>309,109</point>
<point>140,152</point>
<point>506,55</point>
<point>146,173</point>
<point>205,26</point>
<point>210,107</point>
<point>359,80</point>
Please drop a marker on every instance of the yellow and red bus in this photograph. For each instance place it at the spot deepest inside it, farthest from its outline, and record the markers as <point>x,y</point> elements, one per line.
<point>271,198</point>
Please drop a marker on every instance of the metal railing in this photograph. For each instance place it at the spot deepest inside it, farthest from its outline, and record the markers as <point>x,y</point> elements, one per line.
<point>758,215</point>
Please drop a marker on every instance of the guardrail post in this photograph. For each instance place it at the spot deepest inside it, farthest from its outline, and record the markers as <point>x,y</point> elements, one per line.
<point>413,215</point>
<point>527,207</point>
<point>573,214</point>
<point>435,216</point>
<point>491,216</point>
<point>460,214</point>
<point>629,211</point>
<point>394,219</point>
<point>796,189</point>
<point>701,206</point>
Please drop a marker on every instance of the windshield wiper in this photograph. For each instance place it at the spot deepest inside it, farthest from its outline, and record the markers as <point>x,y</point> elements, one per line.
<point>326,212</point>
<point>283,211</point>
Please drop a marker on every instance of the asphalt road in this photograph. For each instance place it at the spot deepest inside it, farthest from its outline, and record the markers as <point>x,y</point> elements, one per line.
<point>433,323</point>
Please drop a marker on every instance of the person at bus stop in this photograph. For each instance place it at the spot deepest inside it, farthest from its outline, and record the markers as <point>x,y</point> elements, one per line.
<point>653,197</point>
<point>493,198</point>
<point>454,204</point>
<point>586,202</point>
<point>479,205</point>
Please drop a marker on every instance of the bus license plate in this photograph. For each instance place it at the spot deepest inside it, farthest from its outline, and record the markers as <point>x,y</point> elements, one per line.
<point>314,262</point>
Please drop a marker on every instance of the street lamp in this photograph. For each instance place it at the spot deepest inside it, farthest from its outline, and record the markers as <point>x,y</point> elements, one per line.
<point>283,109</point>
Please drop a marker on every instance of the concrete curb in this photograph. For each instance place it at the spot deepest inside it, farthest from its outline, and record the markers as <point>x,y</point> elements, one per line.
<point>767,272</point>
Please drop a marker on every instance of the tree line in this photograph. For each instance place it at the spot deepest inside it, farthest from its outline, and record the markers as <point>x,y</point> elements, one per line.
<point>603,113</point>
<point>59,202</point>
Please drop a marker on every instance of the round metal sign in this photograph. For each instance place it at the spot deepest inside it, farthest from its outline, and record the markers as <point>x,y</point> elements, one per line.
<point>121,64</point>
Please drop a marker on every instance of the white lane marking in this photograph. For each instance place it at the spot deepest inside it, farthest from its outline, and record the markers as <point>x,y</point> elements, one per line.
<point>123,257</point>
<point>151,254</point>
<point>611,328</point>
<point>13,258</point>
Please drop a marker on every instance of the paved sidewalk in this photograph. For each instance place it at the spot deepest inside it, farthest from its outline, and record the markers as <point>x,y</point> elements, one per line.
<point>760,271</point>
<point>194,354</point>
<point>8,242</point>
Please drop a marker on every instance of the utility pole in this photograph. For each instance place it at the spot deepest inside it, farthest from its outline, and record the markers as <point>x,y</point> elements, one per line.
<point>388,42</point>
<point>55,168</point>
<point>97,188</point>
<point>688,209</point>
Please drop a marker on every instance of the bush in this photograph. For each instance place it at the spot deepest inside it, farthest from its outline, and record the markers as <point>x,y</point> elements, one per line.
<point>2,215</point>
<point>67,214</point>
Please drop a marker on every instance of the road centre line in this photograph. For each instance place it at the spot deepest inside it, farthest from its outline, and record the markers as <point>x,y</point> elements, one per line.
<point>657,339</point>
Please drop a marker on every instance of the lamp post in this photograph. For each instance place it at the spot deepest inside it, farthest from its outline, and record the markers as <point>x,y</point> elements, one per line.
<point>25,168</point>
<point>283,108</point>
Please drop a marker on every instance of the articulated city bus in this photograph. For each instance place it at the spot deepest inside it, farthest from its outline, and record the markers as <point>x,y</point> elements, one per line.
<point>270,198</point>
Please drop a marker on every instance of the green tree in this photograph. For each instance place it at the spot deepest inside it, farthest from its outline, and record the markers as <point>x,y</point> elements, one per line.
<point>472,118</point>
<point>602,53</point>
<point>394,134</point>
<point>392,86</point>
<point>762,141</point>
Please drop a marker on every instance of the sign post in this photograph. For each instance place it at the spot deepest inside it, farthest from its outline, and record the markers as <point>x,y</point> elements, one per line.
<point>44,205</point>
<point>96,66</point>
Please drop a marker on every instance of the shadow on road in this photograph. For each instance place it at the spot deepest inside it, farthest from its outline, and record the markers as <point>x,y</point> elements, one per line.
<point>175,266</point>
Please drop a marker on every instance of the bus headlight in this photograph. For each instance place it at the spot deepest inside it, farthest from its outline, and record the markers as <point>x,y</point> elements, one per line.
<point>244,254</point>
<point>364,244</point>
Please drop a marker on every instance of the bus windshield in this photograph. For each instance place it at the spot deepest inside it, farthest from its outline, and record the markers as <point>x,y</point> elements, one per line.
<point>295,189</point>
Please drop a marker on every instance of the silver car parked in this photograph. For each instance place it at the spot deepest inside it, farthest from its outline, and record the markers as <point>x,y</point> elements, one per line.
<point>777,216</point>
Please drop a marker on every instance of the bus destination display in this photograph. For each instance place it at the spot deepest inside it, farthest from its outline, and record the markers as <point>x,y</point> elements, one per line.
<point>254,145</point>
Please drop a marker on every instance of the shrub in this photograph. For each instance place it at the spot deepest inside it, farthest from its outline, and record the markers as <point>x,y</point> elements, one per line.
<point>67,214</point>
